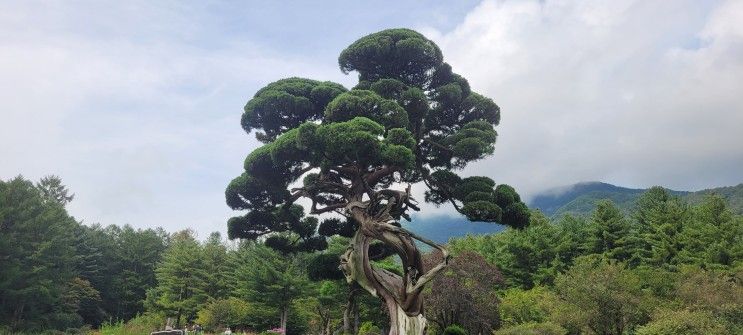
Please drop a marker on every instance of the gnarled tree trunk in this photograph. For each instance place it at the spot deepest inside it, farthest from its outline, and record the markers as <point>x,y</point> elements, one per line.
<point>402,295</point>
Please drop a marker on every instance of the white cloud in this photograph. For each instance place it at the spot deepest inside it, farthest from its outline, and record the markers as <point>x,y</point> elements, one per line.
<point>141,122</point>
<point>136,104</point>
<point>636,93</point>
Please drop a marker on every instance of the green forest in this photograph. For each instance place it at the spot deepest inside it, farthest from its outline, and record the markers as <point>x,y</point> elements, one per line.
<point>668,268</point>
<point>580,199</point>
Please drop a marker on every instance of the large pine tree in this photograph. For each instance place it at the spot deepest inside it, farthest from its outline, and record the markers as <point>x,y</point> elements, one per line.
<point>356,152</point>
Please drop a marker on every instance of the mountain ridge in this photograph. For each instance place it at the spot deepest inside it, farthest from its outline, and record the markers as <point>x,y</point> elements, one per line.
<point>580,198</point>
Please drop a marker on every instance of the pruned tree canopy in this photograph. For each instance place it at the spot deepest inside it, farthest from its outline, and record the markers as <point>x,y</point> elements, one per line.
<point>410,119</point>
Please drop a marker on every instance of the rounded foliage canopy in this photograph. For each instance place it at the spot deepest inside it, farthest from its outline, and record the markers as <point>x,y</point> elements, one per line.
<point>410,119</point>
<point>285,104</point>
<point>401,54</point>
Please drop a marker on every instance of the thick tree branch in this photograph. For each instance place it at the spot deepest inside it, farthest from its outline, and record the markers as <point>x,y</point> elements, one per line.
<point>436,144</point>
<point>449,197</point>
<point>347,171</point>
<point>312,192</point>
<point>298,193</point>
<point>327,208</point>
<point>305,170</point>
<point>378,174</point>
<point>415,285</point>
<point>456,207</point>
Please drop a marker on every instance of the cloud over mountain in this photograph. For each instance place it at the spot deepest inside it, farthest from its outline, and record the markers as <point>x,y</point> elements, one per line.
<point>636,93</point>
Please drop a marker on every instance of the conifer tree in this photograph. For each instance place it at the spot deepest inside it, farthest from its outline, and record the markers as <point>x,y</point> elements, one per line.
<point>216,267</point>
<point>53,190</point>
<point>271,279</point>
<point>712,236</point>
<point>37,260</point>
<point>660,218</point>
<point>357,152</point>
<point>181,279</point>
<point>610,232</point>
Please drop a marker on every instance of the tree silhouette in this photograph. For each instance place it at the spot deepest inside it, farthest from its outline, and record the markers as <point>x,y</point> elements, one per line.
<point>357,152</point>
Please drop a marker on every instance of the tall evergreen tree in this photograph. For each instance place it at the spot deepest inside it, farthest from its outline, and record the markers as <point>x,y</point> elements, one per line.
<point>132,256</point>
<point>217,269</point>
<point>52,190</point>
<point>182,279</point>
<point>90,266</point>
<point>659,219</point>
<point>712,236</point>
<point>272,279</point>
<point>410,119</point>
<point>610,232</point>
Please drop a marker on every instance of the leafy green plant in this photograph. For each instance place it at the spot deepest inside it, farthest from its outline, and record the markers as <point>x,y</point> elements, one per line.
<point>519,306</point>
<point>455,330</point>
<point>533,328</point>
<point>368,328</point>
<point>141,324</point>
<point>219,314</point>
<point>684,322</point>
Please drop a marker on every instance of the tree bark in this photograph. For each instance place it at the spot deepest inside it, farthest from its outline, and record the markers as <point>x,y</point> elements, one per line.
<point>348,311</point>
<point>356,319</point>
<point>178,319</point>
<point>402,323</point>
<point>284,317</point>
<point>17,317</point>
<point>402,295</point>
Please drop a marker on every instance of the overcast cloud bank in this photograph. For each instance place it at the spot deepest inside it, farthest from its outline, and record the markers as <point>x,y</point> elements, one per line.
<point>136,105</point>
<point>635,93</point>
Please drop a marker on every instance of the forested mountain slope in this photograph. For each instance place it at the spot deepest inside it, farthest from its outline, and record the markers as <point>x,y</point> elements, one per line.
<point>581,198</point>
<point>732,194</point>
<point>577,199</point>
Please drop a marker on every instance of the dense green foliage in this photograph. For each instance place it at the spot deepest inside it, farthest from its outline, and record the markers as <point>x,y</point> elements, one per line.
<point>141,324</point>
<point>454,330</point>
<point>533,328</point>
<point>39,282</point>
<point>669,267</point>
<point>57,273</point>
<point>410,119</point>
<point>580,199</point>
<point>78,274</point>
<point>733,196</point>
<point>295,99</point>
<point>182,279</point>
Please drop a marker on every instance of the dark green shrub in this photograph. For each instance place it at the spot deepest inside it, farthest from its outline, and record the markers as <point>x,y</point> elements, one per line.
<point>454,330</point>
<point>533,328</point>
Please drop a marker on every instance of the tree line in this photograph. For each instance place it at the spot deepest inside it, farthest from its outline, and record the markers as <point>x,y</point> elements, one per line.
<point>668,268</point>
<point>58,273</point>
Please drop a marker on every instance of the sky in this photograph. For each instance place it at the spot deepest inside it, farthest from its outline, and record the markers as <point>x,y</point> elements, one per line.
<point>136,104</point>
